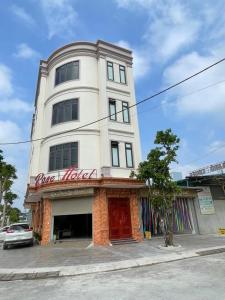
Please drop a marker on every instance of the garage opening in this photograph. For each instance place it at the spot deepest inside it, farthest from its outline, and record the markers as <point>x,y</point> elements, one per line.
<point>73,226</point>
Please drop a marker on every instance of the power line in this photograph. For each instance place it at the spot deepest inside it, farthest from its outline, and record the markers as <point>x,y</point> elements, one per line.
<point>202,156</point>
<point>206,155</point>
<point>155,106</point>
<point>131,106</point>
<point>189,94</point>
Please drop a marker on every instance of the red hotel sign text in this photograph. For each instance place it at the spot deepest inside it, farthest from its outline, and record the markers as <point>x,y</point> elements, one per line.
<point>70,174</point>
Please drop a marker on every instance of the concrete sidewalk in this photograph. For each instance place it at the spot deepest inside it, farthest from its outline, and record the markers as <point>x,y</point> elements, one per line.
<point>103,259</point>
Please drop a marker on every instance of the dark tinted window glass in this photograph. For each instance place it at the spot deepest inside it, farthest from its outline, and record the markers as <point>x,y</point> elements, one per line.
<point>63,156</point>
<point>115,154</point>
<point>65,111</point>
<point>67,72</point>
<point>126,115</point>
<point>19,227</point>
<point>129,155</point>
<point>112,109</point>
<point>122,74</point>
<point>110,72</point>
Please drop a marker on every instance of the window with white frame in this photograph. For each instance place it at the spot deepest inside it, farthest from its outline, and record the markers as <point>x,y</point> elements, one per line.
<point>122,74</point>
<point>115,154</point>
<point>125,111</point>
<point>129,155</point>
<point>112,110</point>
<point>110,70</point>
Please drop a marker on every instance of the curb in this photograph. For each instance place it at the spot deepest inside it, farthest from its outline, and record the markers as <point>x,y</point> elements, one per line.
<point>53,272</point>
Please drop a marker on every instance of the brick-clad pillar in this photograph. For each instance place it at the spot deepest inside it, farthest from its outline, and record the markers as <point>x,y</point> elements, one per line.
<point>100,218</point>
<point>135,222</point>
<point>35,219</point>
<point>46,226</point>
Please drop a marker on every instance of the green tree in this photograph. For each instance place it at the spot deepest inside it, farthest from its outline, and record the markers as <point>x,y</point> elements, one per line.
<point>156,172</point>
<point>7,176</point>
<point>13,213</point>
<point>1,177</point>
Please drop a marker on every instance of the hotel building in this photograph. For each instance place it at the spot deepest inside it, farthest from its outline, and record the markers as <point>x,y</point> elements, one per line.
<point>85,143</point>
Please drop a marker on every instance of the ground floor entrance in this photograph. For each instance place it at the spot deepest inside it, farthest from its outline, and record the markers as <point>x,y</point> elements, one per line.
<point>119,218</point>
<point>105,210</point>
<point>73,226</point>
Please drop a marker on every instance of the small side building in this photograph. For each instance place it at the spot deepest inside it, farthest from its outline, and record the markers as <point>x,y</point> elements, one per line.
<point>209,206</point>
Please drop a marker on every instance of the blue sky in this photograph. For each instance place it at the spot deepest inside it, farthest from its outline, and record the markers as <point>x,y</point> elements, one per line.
<point>170,41</point>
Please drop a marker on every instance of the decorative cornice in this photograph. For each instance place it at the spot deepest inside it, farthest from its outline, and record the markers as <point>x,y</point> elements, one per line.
<point>71,54</point>
<point>121,131</point>
<point>109,88</point>
<point>79,43</point>
<point>45,139</point>
<point>104,182</point>
<point>77,89</point>
<point>98,49</point>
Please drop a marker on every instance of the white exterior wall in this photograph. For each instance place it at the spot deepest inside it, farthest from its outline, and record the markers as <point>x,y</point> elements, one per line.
<point>93,91</point>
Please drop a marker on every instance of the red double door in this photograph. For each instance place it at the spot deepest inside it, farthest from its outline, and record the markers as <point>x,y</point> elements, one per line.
<point>119,218</point>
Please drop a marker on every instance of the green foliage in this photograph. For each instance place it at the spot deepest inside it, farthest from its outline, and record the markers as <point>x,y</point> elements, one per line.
<point>7,176</point>
<point>37,236</point>
<point>13,213</point>
<point>156,172</point>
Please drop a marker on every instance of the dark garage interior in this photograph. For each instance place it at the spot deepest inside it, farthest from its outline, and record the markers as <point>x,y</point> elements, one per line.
<point>73,226</point>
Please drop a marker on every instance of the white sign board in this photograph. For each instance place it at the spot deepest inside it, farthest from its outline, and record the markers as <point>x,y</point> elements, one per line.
<point>219,167</point>
<point>206,202</point>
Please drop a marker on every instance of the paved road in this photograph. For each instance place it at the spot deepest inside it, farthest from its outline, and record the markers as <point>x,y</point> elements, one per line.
<point>199,278</point>
<point>77,253</point>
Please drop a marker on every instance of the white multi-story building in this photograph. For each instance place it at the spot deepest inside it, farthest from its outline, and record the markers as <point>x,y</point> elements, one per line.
<point>82,123</point>
<point>78,85</point>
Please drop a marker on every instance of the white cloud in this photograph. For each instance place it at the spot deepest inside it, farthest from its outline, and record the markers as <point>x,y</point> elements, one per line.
<point>6,88</point>
<point>22,14</point>
<point>198,95</point>
<point>9,130</point>
<point>171,26</point>
<point>60,16</point>
<point>141,60</point>
<point>134,3</point>
<point>8,102</point>
<point>14,105</point>
<point>217,147</point>
<point>26,52</point>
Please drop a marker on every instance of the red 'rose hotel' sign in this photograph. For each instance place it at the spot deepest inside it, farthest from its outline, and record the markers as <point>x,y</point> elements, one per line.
<point>70,174</point>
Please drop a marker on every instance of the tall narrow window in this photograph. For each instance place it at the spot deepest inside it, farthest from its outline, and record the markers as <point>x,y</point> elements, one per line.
<point>112,109</point>
<point>65,111</point>
<point>126,115</point>
<point>67,72</point>
<point>63,156</point>
<point>122,74</point>
<point>115,154</point>
<point>110,71</point>
<point>129,155</point>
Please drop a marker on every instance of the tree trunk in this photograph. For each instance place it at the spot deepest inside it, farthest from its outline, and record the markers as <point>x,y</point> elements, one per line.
<point>169,229</point>
<point>1,193</point>
<point>3,213</point>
